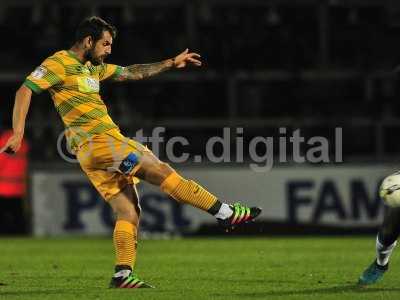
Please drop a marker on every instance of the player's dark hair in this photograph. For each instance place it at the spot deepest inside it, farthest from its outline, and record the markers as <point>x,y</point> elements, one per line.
<point>94,27</point>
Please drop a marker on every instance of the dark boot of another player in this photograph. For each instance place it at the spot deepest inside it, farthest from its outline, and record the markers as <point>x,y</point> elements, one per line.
<point>372,274</point>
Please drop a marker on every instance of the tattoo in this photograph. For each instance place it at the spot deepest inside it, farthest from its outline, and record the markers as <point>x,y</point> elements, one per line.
<point>141,71</point>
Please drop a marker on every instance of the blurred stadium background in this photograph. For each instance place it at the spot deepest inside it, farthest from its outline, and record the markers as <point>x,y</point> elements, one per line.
<point>304,64</point>
<point>313,65</point>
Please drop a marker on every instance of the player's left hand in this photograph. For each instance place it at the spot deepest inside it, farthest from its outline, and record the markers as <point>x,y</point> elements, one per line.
<point>186,58</point>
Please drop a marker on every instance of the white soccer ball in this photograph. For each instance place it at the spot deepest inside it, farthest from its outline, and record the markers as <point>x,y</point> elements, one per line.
<point>390,190</point>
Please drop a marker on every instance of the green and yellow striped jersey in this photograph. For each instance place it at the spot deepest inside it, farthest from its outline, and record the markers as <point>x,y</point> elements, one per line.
<point>74,88</point>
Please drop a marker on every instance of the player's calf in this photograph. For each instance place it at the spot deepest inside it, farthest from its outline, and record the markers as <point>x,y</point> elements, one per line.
<point>190,192</point>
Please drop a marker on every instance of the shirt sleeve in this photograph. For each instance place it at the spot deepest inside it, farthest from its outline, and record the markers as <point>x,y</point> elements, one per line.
<point>48,74</point>
<point>109,71</point>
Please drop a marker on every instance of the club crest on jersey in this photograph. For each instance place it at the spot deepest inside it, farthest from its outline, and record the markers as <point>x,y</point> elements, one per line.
<point>39,72</point>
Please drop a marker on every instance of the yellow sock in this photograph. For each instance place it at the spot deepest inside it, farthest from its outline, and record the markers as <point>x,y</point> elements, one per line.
<point>125,242</point>
<point>188,191</point>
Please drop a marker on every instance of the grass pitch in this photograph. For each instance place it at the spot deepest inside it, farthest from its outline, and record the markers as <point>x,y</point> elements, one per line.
<point>209,268</point>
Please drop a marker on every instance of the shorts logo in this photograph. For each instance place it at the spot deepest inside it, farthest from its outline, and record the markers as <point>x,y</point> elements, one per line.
<point>39,72</point>
<point>128,164</point>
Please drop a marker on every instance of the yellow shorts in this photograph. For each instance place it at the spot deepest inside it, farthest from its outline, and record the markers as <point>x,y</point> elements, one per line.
<point>104,159</point>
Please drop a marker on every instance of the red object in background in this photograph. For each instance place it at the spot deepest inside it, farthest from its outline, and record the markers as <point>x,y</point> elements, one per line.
<point>13,169</point>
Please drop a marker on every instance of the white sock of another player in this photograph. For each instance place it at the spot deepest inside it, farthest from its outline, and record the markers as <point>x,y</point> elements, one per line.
<point>383,252</point>
<point>224,212</point>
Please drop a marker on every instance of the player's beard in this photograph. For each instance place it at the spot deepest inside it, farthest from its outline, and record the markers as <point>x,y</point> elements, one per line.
<point>89,56</point>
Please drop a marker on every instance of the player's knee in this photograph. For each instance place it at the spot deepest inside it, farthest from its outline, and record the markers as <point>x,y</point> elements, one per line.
<point>165,168</point>
<point>154,172</point>
<point>127,213</point>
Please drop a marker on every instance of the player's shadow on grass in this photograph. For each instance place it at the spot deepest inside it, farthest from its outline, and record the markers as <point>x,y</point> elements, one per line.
<point>332,290</point>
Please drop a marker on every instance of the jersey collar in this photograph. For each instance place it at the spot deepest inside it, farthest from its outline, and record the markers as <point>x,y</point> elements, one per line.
<point>74,56</point>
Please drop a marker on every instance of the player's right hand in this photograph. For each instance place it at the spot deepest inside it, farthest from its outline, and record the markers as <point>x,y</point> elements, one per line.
<point>13,144</point>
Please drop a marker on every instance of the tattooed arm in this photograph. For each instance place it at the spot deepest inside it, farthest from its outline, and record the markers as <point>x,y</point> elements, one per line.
<point>141,71</point>
<point>136,72</point>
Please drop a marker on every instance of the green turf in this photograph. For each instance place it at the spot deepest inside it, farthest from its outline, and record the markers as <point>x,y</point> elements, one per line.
<point>234,268</point>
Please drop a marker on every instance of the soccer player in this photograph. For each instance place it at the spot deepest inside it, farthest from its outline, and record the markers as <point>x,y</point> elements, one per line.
<point>112,162</point>
<point>386,241</point>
